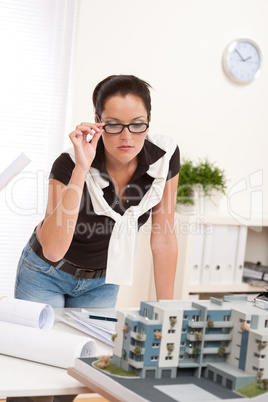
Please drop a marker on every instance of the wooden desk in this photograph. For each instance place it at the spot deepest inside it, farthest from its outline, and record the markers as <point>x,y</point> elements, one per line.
<point>20,377</point>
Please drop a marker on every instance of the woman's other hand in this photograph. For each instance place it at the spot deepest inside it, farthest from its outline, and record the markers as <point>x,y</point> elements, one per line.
<point>85,151</point>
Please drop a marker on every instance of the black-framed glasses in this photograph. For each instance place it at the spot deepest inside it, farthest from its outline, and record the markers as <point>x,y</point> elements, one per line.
<point>135,128</point>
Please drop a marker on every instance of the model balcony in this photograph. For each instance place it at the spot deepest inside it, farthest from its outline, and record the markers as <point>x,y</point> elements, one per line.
<point>191,351</point>
<point>191,337</point>
<point>218,337</point>
<point>215,351</point>
<point>196,324</point>
<point>134,363</point>
<point>136,349</point>
<point>223,324</point>
<point>137,336</point>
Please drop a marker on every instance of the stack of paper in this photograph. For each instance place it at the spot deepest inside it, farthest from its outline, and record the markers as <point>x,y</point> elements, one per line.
<point>101,327</point>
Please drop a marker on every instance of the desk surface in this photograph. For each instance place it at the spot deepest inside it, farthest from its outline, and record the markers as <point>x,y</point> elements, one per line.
<point>25,378</point>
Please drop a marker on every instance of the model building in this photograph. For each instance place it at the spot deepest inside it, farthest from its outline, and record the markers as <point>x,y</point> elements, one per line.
<point>223,340</point>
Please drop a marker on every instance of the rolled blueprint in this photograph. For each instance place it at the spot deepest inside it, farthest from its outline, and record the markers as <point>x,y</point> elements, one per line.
<point>13,169</point>
<point>50,347</point>
<point>30,314</point>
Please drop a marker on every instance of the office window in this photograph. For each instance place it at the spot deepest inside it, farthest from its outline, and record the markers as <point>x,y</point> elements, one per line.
<point>37,46</point>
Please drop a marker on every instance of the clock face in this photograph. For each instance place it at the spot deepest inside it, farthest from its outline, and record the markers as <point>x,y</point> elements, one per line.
<point>242,61</point>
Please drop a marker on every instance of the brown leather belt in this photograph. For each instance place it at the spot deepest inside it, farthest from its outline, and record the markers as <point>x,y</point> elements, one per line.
<point>77,272</point>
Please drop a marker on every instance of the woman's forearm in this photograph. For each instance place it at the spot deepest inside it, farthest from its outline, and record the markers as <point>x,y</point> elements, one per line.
<point>58,228</point>
<point>165,252</point>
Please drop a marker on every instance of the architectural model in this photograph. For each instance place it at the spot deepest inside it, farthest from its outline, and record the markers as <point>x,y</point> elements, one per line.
<point>222,340</point>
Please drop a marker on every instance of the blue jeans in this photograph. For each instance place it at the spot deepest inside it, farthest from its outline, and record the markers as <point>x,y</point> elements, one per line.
<point>39,281</point>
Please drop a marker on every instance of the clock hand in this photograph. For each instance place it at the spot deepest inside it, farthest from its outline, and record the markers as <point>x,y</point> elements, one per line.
<point>239,55</point>
<point>247,58</point>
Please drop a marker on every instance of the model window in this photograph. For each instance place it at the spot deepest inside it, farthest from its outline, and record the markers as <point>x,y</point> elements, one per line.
<point>154,358</point>
<point>185,317</point>
<point>155,345</point>
<point>156,316</point>
<point>266,324</point>
<point>224,343</point>
<point>226,318</point>
<point>169,357</point>
<point>171,331</point>
<point>195,318</point>
<point>145,312</point>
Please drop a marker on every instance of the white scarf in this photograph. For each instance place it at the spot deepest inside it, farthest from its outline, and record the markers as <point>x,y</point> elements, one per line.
<point>123,238</point>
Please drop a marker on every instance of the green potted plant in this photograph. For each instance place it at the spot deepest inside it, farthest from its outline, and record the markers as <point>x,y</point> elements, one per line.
<point>201,180</point>
<point>221,350</point>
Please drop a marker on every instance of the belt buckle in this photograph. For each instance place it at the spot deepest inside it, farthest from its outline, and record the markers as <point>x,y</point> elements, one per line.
<point>76,274</point>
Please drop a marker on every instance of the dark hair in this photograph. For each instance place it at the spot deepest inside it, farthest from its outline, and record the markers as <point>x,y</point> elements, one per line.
<point>121,85</point>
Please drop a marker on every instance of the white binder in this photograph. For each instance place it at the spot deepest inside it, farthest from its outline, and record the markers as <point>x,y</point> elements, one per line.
<point>240,255</point>
<point>218,254</point>
<point>231,242</point>
<point>196,265</point>
<point>207,256</point>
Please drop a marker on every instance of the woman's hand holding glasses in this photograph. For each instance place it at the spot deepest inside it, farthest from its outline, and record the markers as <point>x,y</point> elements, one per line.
<point>85,151</point>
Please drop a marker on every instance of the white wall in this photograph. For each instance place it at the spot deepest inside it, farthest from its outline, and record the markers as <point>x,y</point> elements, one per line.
<point>177,46</point>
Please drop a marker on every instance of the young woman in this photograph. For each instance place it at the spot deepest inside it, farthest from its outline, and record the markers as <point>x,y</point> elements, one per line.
<point>100,192</point>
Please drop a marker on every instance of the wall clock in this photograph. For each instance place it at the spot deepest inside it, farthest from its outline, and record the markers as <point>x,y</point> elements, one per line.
<point>242,61</point>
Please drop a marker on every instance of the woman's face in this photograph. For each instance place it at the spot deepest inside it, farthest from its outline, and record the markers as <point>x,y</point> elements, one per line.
<point>125,146</point>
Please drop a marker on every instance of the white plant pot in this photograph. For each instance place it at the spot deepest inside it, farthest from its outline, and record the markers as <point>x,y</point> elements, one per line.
<point>203,205</point>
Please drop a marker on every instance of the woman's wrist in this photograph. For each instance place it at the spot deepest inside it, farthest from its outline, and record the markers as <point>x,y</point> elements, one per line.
<point>80,172</point>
